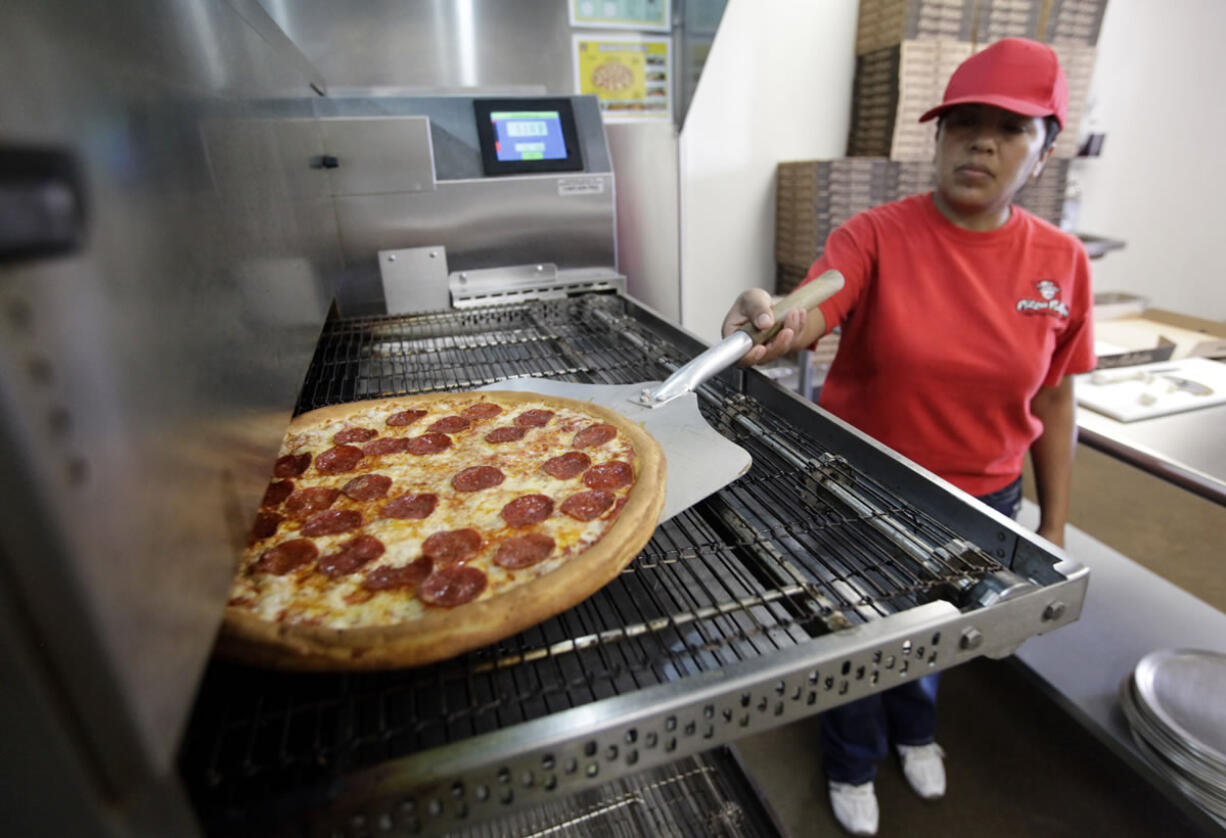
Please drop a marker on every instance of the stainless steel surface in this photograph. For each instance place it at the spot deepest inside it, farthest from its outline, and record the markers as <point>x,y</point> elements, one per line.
<point>1129,611</point>
<point>647,167</point>
<point>521,283</point>
<point>489,46</point>
<point>732,348</point>
<point>706,796</point>
<point>379,155</point>
<point>1185,690</point>
<point>1187,449</point>
<point>1203,781</point>
<point>771,600</point>
<point>415,279</point>
<point>700,461</point>
<point>483,222</point>
<point>145,380</point>
<point>685,380</point>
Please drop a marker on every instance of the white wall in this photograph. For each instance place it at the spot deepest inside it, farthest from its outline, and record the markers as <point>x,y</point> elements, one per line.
<point>776,86</point>
<point>1159,182</point>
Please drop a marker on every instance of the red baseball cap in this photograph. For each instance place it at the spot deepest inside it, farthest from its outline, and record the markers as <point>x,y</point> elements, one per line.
<point>1016,74</point>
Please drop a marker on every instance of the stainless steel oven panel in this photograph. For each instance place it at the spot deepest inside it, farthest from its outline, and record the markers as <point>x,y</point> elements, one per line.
<point>378,155</point>
<point>483,222</point>
<point>489,223</point>
<point>481,777</point>
<point>146,377</point>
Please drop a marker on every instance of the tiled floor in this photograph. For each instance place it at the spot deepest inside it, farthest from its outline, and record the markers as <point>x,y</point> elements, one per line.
<point>1018,765</point>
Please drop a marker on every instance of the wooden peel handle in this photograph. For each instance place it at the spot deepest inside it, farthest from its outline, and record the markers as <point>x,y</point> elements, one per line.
<point>806,297</point>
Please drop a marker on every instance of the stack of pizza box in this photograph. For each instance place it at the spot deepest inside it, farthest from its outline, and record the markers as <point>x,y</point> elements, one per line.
<point>907,49</point>
<point>1073,21</point>
<point>1045,197</point>
<point>1078,63</point>
<point>813,197</point>
<point>887,23</point>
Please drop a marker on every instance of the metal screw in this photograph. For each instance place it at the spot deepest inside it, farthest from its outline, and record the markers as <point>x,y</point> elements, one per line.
<point>540,268</point>
<point>433,254</point>
<point>391,257</point>
<point>972,638</point>
<point>1054,611</point>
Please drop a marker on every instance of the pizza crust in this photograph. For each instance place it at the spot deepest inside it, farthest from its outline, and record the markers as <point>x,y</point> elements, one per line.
<point>445,632</point>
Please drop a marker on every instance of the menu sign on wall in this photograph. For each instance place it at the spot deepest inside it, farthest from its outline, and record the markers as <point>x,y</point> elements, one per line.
<point>653,15</point>
<point>628,74</point>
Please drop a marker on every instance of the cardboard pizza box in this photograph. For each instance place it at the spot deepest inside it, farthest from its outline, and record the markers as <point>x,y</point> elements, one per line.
<point>1157,335</point>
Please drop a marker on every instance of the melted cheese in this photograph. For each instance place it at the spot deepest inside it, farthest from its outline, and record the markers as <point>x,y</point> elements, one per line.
<point>306,595</point>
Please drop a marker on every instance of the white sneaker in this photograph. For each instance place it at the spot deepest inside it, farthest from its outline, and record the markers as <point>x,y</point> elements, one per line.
<point>855,807</point>
<point>924,768</point>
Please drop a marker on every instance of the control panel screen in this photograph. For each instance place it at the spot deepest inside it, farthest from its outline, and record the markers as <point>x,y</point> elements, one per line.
<point>528,135</point>
<point>525,136</point>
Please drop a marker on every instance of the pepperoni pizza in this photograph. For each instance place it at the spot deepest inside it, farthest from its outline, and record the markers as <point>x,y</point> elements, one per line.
<point>397,532</point>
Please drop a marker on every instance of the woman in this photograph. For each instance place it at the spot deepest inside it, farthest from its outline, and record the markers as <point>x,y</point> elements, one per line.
<point>963,317</point>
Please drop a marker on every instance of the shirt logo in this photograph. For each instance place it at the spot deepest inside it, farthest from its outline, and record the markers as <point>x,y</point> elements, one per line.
<point>1050,304</point>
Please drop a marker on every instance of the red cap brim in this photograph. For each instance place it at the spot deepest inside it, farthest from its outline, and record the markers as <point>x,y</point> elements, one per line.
<point>1021,106</point>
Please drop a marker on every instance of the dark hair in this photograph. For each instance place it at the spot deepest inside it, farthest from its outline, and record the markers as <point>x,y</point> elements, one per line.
<point>1053,130</point>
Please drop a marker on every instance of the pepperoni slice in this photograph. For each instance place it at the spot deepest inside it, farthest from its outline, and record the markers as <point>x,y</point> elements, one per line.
<point>428,444</point>
<point>291,465</point>
<point>594,435</point>
<point>477,478</point>
<point>266,524</point>
<point>510,433</point>
<point>331,522</point>
<point>367,487</point>
<point>534,418</point>
<point>405,417</point>
<point>352,555</point>
<point>410,506</point>
<point>524,551</point>
<point>567,466</point>
<point>277,492</point>
<point>312,499</point>
<point>481,411</point>
<point>610,475</point>
<point>352,435</point>
<point>450,425</point>
<point>389,577</point>
<point>287,556</point>
<point>527,509</point>
<point>452,586</point>
<point>452,546</point>
<point>339,459</point>
<point>587,505</point>
<point>385,445</point>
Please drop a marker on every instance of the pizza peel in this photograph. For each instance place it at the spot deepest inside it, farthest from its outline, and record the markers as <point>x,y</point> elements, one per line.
<point>699,459</point>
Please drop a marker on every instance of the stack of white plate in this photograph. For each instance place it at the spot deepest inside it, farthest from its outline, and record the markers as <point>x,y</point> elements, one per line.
<point>1175,703</point>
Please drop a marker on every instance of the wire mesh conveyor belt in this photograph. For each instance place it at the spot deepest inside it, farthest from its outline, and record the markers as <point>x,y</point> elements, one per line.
<point>704,796</point>
<point>802,545</point>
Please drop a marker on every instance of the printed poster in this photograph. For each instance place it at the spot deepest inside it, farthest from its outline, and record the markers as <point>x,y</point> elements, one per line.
<point>652,15</point>
<point>629,74</point>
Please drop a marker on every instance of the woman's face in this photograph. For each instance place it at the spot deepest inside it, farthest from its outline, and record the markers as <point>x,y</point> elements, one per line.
<point>985,155</point>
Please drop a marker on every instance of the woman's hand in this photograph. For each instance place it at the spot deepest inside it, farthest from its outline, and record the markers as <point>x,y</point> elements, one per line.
<point>754,306</point>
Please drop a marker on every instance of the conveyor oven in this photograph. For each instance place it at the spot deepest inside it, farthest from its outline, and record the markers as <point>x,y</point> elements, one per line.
<point>831,570</point>
<point>181,206</point>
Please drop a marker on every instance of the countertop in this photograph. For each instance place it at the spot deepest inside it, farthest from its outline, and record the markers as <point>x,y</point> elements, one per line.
<point>1188,448</point>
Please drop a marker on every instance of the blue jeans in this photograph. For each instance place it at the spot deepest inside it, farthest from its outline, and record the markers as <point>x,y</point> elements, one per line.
<point>855,736</point>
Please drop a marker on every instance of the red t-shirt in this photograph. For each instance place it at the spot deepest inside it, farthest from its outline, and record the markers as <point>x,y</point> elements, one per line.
<point>949,333</point>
